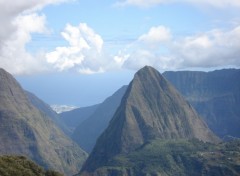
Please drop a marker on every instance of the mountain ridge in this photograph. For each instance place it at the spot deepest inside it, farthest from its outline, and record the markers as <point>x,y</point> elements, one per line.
<point>215,96</point>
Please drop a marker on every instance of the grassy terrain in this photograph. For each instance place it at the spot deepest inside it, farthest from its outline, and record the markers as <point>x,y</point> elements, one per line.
<point>21,166</point>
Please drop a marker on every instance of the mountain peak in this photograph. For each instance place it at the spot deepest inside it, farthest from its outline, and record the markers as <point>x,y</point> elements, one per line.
<point>150,109</point>
<point>147,71</point>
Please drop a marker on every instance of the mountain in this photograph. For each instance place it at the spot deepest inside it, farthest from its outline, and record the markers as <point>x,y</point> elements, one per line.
<point>150,109</point>
<point>215,96</point>
<point>75,117</point>
<point>21,166</point>
<point>25,130</point>
<point>88,131</point>
<point>47,110</point>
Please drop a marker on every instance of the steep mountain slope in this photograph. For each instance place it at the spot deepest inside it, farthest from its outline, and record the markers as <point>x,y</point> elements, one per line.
<point>75,117</point>
<point>150,109</point>
<point>47,110</point>
<point>215,96</point>
<point>21,166</point>
<point>88,131</point>
<point>24,130</point>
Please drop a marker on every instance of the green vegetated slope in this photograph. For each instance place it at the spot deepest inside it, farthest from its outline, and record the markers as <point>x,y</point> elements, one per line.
<point>215,96</point>
<point>25,130</point>
<point>176,157</point>
<point>21,166</point>
<point>150,109</point>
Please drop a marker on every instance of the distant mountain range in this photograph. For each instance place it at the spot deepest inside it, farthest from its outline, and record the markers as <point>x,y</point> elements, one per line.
<point>215,96</point>
<point>89,130</point>
<point>151,109</point>
<point>145,128</point>
<point>27,130</point>
<point>75,117</point>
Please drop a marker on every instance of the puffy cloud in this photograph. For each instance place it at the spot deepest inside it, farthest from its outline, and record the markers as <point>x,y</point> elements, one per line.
<point>215,48</point>
<point>84,52</point>
<point>156,35</point>
<point>13,54</point>
<point>19,20</point>
<point>149,3</point>
<point>210,49</point>
<point>149,49</point>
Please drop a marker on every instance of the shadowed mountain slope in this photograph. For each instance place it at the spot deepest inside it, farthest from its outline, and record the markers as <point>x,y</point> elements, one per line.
<point>24,130</point>
<point>215,96</point>
<point>47,110</point>
<point>88,131</point>
<point>150,109</point>
<point>75,117</point>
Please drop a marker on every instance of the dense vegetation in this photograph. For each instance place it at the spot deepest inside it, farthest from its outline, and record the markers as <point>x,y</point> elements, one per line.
<point>21,166</point>
<point>177,157</point>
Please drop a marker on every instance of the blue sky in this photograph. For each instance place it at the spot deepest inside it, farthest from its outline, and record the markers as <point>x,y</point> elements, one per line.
<point>79,52</point>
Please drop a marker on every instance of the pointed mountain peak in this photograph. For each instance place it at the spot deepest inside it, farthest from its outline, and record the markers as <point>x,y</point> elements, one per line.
<point>150,109</point>
<point>147,71</point>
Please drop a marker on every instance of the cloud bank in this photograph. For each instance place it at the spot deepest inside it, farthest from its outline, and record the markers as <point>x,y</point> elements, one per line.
<point>86,53</point>
<point>215,48</point>
<point>19,20</point>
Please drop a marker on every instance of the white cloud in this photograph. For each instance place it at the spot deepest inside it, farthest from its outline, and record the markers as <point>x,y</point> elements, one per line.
<point>19,20</point>
<point>84,53</point>
<point>149,49</point>
<point>150,3</point>
<point>156,35</point>
<point>210,49</point>
<point>13,55</point>
<point>215,48</point>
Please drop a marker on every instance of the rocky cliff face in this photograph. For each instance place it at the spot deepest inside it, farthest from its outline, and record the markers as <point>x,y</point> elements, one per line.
<point>24,130</point>
<point>215,96</point>
<point>150,109</point>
